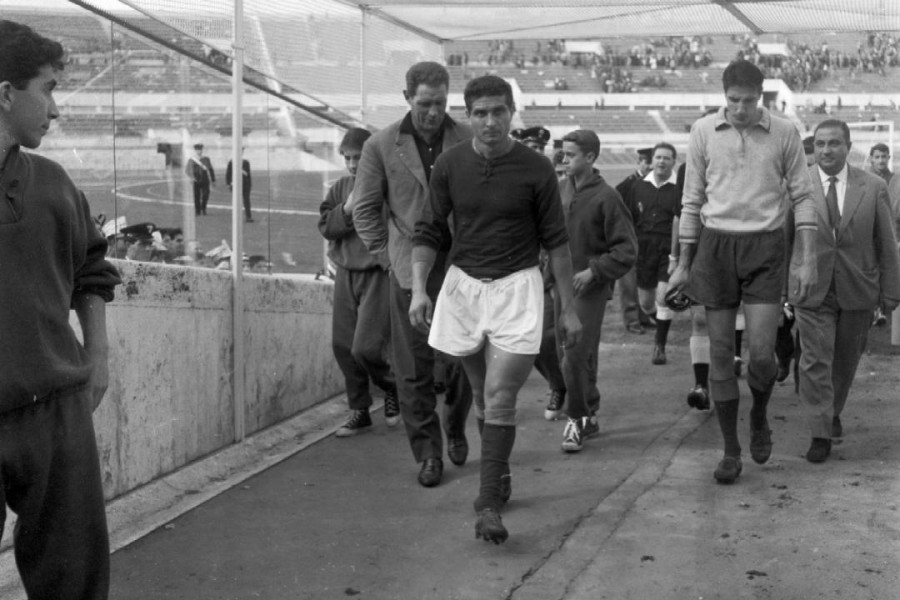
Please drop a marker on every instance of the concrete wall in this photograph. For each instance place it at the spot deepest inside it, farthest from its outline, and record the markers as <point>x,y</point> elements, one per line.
<point>170,397</point>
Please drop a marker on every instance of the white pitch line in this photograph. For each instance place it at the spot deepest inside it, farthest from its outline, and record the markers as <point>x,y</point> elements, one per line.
<point>119,192</point>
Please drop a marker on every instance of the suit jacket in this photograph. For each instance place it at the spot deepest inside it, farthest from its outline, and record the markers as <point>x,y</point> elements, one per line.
<point>862,259</point>
<point>391,172</point>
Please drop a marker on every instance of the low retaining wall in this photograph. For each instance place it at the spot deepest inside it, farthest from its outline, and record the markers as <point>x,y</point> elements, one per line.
<point>170,399</point>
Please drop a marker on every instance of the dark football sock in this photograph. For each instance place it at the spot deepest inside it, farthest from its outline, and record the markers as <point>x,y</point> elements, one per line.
<point>701,374</point>
<point>662,331</point>
<point>496,446</point>
<point>727,412</point>
<point>758,410</point>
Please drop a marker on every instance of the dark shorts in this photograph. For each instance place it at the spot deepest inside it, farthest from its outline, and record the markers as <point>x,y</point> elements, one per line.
<point>730,267</point>
<point>653,259</point>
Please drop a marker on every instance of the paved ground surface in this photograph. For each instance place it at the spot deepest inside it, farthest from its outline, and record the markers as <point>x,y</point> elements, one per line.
<point>636,514</point>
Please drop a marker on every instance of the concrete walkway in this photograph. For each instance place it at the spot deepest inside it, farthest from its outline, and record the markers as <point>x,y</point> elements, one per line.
<point>636,514</point>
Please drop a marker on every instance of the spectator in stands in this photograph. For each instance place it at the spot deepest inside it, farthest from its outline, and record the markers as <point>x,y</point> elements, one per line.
<point>505,206</point>
<point>361,324</point>
<point>857,270</point>
<point>739,254</point>
<point>633,318</point>
<point>246,185</point>
<point>200,171</point>
<point>392,178</point>
<point>51,381</point>
<point>880,162</point>
<point>604,247</point>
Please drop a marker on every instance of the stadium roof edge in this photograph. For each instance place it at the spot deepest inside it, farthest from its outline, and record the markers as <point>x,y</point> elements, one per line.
<point>459,20</point>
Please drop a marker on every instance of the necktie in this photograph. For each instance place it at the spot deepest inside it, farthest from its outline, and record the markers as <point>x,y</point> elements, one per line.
<point>831,202</point>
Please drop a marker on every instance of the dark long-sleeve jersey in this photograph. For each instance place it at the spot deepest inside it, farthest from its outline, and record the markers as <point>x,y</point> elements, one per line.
<point>50,251</point>
<point>503,210</point>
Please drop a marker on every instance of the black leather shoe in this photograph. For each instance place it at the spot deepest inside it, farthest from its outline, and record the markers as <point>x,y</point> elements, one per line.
<point>458,450</point>
<point>837,430</point>
<point>818,450</point>
<point>432,472</point>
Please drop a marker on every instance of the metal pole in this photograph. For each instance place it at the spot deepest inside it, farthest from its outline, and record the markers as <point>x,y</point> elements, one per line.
<point>237,186</point>
<point>362,68</point>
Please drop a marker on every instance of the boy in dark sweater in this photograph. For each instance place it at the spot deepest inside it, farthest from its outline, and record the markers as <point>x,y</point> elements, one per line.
<point>361,324</point>
<point>52,258</point>
<point>604,247</point>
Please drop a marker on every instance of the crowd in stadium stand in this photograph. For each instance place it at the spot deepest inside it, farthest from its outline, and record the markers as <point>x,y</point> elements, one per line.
<point>805,65</point>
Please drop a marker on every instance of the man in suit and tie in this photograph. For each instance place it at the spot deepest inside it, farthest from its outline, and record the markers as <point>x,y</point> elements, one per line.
<point>392,179</point>
<point>858,270</point>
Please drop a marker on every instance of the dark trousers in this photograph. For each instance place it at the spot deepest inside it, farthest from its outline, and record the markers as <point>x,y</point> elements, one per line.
<point>201,197</point>
<point>50,476</point>
<point>832,341</point>
<point>361,332</point>
<point>628,298</point>
<point>246,194</point>
<point>547,360</point>
<point>579,363</point>
<point>413,366</point>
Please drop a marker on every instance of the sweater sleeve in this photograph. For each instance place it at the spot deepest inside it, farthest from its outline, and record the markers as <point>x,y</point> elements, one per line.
<point>694,196</point>
<point>799,185</point>
<point>551,218</point>
<point>432,221</point>
<point>618,231</point>
<point>95,275</point>
<point>334,223</point>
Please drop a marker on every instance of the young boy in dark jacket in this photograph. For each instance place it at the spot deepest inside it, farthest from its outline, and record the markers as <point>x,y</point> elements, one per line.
<point>361,325</point>
<point>52,258</point>
<point>604,247</point>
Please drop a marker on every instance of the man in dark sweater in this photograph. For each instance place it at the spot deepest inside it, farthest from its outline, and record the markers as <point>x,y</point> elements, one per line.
<point>505,204</point>
<point>603,246</point>
<point>50,382</point>
<point>361,320</point>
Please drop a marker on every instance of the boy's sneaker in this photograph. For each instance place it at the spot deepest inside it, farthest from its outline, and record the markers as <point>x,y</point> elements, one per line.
<point>358,422</point>
<point>555,406</point>
<point>573,436</point>
<point>698,398</point>
<point>391,408</point>
<point>590,427</point>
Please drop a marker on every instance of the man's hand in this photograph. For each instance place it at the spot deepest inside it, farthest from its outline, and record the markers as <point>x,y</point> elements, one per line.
<point>803,281</point>
<point>581,280</point>
<point>420,311</point>
<point>678,279</point>
<point>569,328</point>
<point>888,306</point>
